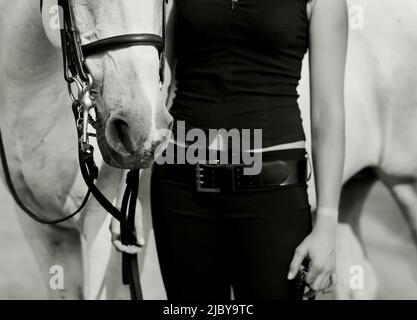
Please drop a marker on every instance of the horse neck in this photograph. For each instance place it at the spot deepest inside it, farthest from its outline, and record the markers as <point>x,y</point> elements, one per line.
<point>31,67</point>
<point>30,61</point>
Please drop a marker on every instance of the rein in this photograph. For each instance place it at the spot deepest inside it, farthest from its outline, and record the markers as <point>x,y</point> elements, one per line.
<point>76,72</point>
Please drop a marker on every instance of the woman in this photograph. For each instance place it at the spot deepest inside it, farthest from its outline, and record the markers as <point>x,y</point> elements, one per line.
<point>237,64</point>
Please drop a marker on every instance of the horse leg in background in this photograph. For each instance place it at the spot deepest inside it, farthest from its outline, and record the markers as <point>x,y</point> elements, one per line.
<point>96,237</point>
<point>58,254</point>
<point>352,263</point>
<point>356,278</point>
<point>404,192</point>
<point>115,290</point>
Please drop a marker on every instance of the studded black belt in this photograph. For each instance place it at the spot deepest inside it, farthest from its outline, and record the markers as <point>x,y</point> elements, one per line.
<point>215,178</point>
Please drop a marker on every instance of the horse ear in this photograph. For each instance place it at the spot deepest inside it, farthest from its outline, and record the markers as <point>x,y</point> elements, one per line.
<point>51,19</point>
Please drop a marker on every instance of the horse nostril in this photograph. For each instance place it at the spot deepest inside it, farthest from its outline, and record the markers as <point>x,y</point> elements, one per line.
<point>122,130</point>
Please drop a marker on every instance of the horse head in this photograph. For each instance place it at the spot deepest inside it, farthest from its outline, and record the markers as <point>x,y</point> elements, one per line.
<point>131,114</point>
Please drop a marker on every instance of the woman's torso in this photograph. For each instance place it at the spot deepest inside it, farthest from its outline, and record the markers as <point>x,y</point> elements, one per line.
<point>240,68</point>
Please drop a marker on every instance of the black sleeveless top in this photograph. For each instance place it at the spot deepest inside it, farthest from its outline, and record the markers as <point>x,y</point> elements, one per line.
<point>240,68</point>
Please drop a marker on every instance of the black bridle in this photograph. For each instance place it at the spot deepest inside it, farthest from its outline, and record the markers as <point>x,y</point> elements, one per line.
<point>74,53</point>
<point>76,72</point>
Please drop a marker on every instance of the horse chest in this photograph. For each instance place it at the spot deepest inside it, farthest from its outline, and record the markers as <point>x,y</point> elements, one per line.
<point>41,149</point>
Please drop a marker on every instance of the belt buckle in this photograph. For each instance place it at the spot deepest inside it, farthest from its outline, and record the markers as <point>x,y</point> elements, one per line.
<point>200,181</point>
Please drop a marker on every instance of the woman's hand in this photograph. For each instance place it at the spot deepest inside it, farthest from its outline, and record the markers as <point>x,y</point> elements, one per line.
<point>117,242</point>
<point>328,50</point>
<point>319,247</point>
<point>115,233</point>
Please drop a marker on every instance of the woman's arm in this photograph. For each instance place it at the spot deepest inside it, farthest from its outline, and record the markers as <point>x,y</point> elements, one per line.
<point>328,34</point>
<point>328,46</point>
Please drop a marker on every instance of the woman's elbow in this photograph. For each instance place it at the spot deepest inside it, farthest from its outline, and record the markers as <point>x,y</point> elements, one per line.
<point>328,115</point>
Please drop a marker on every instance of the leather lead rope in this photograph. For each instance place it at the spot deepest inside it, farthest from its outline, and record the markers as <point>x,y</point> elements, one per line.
<point>90,173</point>
<point>130,265</point>
<point>126,216</point>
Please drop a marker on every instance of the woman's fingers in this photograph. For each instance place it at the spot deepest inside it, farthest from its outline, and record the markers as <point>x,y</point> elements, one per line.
<point>141,242</point>
<point>139,224</point>
<point>322,282</point>
<point>115,232</point>
<point>325,283</point>
<point>299,256</point>
<point>115,228</point>
<point>331,285</point>
<point>312,275</point>
<point>126,249</point>
<point>327,286</point>
<point>117,243</point>
<point>319,285</point>
<point>131,249</point>
<point>119,246</point>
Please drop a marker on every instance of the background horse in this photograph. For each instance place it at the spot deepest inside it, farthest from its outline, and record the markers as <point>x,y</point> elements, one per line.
<point>39,132</point>
<point>381,117</point>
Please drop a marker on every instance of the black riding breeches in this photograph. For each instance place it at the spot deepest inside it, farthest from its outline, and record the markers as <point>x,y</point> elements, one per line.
<point>208,243</point>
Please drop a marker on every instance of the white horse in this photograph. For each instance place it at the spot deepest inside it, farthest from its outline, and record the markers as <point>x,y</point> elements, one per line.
<point>39,132</point>
<point>381,123</point>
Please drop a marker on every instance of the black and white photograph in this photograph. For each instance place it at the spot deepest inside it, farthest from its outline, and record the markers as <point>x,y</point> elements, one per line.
<point>213,152</point>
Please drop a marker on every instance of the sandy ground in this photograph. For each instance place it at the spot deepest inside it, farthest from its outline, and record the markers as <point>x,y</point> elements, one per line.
<point>386,235</point>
